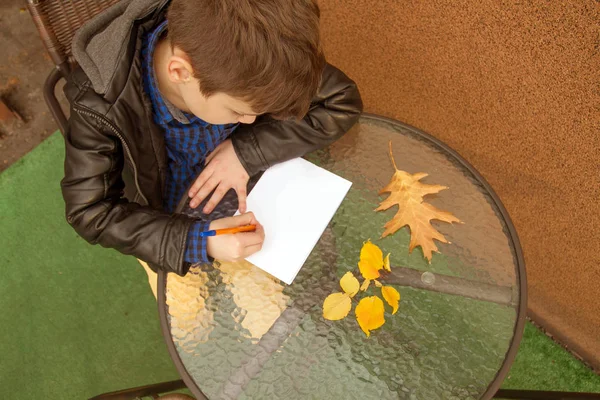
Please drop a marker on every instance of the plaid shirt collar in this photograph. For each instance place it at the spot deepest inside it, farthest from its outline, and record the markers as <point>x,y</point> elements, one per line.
<point>164,111</point>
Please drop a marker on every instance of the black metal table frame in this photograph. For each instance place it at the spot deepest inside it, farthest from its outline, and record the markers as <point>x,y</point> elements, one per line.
<point>407,278</point>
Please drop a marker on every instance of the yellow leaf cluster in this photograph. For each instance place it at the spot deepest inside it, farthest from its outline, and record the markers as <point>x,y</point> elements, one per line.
<point>371,262</point>
<point>337,305</point>
<point>349,284</point>
<point>369,314</point>
<point>370,310</point>
<point>391,296</point>
<point>407,192</point>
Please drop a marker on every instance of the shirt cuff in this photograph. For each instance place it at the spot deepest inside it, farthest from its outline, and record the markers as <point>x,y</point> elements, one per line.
<point>195,249</point>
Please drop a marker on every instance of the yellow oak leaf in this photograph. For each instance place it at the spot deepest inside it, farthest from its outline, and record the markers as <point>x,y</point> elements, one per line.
<point>369,314</point>
<point>391,296</point>
<point>386,263</point>
<point>365,285</point>
<point>336,306</point>
<point>349,284</point>
<point>377,283</point>
<point>371,260</point>
<point>406,191</point>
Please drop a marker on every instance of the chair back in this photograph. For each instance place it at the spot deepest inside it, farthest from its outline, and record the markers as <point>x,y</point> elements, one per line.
<point>58,20</point>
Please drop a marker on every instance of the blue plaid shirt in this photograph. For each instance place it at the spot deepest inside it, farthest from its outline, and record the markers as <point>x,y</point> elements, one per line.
<point>189,140</point>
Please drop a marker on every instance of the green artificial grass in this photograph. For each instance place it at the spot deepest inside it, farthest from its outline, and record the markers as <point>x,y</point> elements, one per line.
<point>79,320</point>
<point>541,364</point>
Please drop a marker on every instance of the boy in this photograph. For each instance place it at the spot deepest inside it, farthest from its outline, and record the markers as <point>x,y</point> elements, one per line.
<point>192,92</point>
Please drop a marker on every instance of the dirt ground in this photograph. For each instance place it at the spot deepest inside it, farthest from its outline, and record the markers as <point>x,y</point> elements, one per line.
<point>24,66</point>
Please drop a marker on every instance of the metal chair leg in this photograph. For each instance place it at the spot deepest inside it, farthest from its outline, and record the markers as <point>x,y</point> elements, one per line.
<point>51,100</point>
<point>142,391</point>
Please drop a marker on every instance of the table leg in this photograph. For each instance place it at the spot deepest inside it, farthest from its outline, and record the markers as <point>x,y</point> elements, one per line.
<point>450,285</point>
<point>268,344</point>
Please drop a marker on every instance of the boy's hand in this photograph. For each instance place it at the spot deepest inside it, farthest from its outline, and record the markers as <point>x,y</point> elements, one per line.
<point>237,246</point>
<point>223,171</point>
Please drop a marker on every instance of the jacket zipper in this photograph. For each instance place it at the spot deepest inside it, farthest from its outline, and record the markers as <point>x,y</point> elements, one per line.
<point>125,145</point>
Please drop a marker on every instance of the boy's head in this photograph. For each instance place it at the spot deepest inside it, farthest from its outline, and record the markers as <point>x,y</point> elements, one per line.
<point>246,57</point>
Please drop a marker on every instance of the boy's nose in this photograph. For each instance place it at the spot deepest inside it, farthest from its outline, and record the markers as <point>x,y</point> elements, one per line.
<point>247,119</point>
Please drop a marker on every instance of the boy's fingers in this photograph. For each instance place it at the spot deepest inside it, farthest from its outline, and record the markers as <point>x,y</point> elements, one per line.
<point>241,220</point>
<point>248,239</point>
<point>208,158</point>
<point>200,181</point>
<point>238,220</point>
<point>211,155</point>
<point>248,251</point>
<point>259,229</point>
<point>241,192</point>
<point>244,219</point>
<point>203,192</point>
<point>215,199</point>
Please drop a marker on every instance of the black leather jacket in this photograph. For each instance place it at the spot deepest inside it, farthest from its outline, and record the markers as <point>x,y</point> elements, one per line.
<point>115,162</point>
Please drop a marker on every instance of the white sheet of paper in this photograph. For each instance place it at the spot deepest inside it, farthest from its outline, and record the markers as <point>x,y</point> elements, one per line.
<point>294,201</point>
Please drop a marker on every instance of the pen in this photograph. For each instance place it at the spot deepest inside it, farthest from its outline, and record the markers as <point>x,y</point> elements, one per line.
<point>214,232</point>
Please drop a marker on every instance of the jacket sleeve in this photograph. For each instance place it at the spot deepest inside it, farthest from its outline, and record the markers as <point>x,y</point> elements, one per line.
<point>93,192</point>
<point>334,110</point>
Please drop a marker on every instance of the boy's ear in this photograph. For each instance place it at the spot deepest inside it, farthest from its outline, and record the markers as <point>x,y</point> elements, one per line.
<point>179,67</point>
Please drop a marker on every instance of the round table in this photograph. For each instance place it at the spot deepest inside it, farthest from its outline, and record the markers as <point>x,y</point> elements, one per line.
<point>234,331</point>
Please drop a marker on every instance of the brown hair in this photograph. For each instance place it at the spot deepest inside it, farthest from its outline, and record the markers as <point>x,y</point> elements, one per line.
<point>265,52</point>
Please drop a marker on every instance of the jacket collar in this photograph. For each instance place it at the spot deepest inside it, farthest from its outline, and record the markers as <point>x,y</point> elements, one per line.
<point>106,45</point>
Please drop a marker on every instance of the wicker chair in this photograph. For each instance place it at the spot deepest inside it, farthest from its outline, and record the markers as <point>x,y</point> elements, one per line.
<point>57,21</point>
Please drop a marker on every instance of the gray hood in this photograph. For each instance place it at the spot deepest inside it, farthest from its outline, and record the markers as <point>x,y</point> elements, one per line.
<point>99,45</point>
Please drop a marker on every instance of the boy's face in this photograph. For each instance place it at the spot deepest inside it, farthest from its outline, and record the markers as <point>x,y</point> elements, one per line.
<point>217,109</point>
<point>183,89</point>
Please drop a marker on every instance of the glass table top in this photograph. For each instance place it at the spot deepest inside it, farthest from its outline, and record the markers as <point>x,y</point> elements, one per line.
<point>236,332</point>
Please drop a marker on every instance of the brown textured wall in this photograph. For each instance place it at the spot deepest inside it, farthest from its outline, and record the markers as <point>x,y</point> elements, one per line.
<point>514,88</point>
